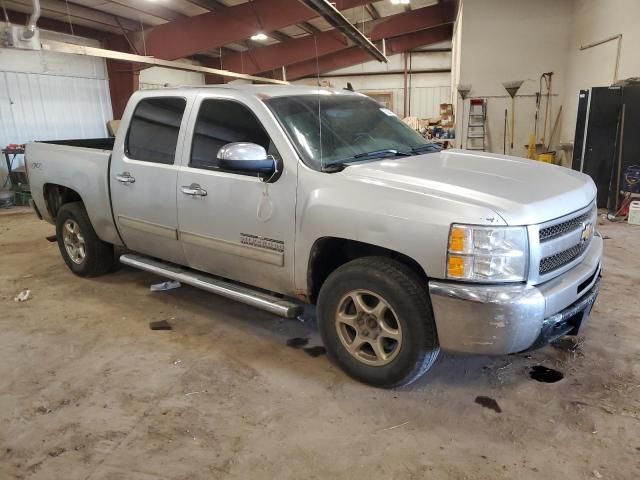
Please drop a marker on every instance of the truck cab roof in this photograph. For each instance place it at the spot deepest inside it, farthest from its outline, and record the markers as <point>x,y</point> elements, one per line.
<point>259,90</point>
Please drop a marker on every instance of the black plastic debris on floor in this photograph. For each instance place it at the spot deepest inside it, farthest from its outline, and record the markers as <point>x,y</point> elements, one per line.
<point>315,351</point>
<point>488,402</point>
<point>297,342</point>
<point>543,374</point>
<point>160,325</point>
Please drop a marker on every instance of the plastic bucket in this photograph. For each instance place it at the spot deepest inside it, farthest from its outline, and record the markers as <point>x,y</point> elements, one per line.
<point>634,213</point>
<point>547,157</point>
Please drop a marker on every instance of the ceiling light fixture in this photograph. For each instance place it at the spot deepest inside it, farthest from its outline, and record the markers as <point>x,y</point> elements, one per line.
<point>260,37</point>
<point>400,2</point>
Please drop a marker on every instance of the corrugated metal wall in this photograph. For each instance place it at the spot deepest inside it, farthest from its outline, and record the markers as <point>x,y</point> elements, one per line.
<point>50,107</point>
<point>51,96</point>
<point>424,102</point>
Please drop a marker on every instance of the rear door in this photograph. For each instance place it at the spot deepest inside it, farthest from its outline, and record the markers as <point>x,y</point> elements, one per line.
<point>143,176</point>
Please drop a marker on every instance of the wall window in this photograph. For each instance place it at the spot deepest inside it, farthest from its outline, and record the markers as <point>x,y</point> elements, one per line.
<point>154,128</point>
<point>221,122</point>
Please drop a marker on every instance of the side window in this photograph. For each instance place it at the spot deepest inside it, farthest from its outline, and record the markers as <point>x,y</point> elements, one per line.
<point>153,130</point>
<point>220,122</point>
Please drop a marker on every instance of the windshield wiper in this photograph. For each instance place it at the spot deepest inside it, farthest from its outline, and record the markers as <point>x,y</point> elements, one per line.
<point>334,167</point>
<point>385,152</point>
<point>433,147</point>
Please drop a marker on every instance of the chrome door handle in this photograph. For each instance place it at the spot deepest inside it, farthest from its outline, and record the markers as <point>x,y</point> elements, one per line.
<point>194,190</point>
<point>125,177</point>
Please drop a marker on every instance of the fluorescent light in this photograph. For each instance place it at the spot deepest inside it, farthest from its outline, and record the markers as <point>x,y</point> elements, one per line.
<point>261,37</point>
<point>400,2</point>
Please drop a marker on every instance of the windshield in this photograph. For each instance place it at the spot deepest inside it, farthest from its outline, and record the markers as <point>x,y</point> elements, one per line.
<point>351,128</point>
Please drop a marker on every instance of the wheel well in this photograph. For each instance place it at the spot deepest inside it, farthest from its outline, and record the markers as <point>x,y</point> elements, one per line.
<point>329,253</point>
<point>55,196</point>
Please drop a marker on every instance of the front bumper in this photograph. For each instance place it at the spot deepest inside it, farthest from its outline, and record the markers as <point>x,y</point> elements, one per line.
<point>502,319</point>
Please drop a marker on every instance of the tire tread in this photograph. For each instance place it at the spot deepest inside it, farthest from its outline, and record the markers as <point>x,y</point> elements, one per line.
<point>416,291</point>
<point>100,259</point>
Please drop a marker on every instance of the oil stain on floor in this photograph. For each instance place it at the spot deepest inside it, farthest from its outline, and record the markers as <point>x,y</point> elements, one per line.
<point>544,374</point>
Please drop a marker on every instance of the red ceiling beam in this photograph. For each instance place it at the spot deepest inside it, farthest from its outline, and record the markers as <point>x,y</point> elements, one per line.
<point>354,55</point>
<point>414,21</point>
<point>264,59</point>
<point>190,35</point>
<point>57,26</point>
<point>292,51</point>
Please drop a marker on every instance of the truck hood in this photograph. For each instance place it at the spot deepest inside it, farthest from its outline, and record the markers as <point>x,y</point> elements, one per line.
<point>521,191</point>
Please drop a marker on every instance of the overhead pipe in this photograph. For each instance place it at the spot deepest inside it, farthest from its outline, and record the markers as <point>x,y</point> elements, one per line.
<point>32,23</point>
<point>405,95</point>
<point>332,15</point>
<point>617,37</point>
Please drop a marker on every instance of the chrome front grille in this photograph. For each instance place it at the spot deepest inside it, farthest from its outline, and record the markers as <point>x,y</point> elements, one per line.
<point>561,228</point>
<point>561,243</point>
<point>553,262</point>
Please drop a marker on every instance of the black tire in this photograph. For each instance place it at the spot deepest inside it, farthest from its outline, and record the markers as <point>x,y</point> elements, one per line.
<point>98,258</point>
<point>406,295</point>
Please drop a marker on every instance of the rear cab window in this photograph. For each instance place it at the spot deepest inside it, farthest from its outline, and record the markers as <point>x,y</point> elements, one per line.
<point>154,129</point>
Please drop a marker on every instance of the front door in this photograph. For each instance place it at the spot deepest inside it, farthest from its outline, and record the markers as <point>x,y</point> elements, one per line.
<point>143,178</point>
<point>234,225</point>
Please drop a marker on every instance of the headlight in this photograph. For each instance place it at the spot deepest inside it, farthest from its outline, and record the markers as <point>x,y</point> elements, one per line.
<point>487,254</point>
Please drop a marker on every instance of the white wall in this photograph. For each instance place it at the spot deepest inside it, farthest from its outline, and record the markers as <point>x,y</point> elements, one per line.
<point>158,77</point>
<point>427,90</point>
<point>505,40</point>
<point>46,95</point>
<point>502,40</point>
<point>592,21</point>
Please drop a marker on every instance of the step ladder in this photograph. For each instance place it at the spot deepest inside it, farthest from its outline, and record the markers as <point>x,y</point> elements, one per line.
<point>476,134</point>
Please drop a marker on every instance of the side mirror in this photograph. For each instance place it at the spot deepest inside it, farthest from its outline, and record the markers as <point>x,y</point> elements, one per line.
<point>242,157</point>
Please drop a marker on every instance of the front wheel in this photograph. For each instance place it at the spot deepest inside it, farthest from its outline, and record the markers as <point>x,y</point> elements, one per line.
<point>376,321</point>
<point>83,252</point>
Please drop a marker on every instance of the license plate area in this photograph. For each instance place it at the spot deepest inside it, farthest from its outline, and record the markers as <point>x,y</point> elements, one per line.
<point>568,321</point>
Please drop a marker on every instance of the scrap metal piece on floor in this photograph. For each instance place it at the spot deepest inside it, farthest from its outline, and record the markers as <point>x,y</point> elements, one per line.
<point>164,286</point>
<point>160,325</point>
<point>23,296</point>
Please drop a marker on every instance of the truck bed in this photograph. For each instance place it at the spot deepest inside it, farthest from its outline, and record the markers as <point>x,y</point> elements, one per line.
<point>96,143</point>
<point>81,166</point>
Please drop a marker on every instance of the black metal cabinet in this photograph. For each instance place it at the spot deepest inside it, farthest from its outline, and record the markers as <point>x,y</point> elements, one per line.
<point>607,138</point>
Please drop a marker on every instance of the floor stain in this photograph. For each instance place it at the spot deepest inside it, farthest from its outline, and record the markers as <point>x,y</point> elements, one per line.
<point>315,351</point>
<point>488,402</point>
<point>545,375</point>
<point>297,342</point>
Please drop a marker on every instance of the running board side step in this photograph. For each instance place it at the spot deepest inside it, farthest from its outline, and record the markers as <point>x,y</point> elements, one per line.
<point>225,288</point>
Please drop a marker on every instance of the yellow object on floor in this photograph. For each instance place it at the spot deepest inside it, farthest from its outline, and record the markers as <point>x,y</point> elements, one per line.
<point>547,157</point>
<point>531,149</point>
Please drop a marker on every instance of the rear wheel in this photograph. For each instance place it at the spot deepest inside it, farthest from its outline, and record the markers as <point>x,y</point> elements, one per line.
<point>83,252</point>
<point>376,321</point>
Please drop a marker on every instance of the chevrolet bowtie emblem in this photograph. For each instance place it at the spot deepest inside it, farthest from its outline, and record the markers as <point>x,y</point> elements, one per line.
<point>587,232</point>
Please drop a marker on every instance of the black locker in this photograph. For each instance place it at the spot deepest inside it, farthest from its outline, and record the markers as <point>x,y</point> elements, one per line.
<point>595,145</point>
<point>631,132</point>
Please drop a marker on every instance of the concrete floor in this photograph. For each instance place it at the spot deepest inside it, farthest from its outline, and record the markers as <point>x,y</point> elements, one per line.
<point>88,391</point>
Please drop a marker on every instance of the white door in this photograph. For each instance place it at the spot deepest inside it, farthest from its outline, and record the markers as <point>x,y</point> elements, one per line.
<point>143,176</point>
<point>236,225</point>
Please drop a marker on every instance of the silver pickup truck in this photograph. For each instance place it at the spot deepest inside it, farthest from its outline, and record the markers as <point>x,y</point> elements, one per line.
<point>277,196</point>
